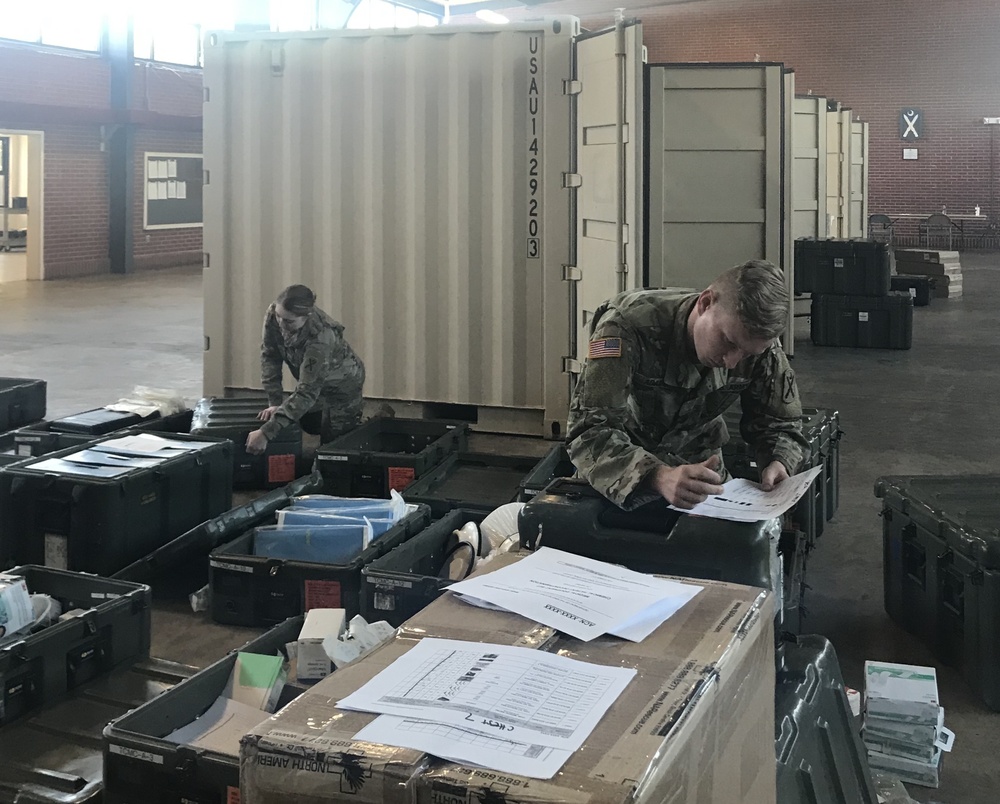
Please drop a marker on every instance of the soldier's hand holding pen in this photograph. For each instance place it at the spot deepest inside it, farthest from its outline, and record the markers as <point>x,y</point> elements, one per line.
<point>689,484</point>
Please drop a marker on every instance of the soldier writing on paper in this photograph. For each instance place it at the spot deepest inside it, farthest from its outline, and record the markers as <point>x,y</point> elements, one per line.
<point>645,421</point>
<point>327,398</point>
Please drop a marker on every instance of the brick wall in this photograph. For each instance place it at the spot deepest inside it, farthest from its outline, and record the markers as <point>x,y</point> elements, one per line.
<point>875,56</point>
<point>75,205</point>
<point>53,77</point>
<point>75,87</point>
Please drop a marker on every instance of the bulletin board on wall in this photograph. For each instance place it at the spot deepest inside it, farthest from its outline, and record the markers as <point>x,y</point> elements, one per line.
<point>172,191</point>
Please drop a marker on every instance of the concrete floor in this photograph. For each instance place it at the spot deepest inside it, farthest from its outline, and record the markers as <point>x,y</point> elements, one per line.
<point>928,410</point>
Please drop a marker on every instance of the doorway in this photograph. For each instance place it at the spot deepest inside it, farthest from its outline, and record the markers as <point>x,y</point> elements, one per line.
<point>21,193</point>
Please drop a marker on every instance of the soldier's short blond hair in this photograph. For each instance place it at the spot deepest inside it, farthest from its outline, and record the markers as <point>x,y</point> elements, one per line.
<point>755,291</point>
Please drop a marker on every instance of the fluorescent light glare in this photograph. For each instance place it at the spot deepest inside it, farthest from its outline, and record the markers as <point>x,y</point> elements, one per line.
<point>491,17</point>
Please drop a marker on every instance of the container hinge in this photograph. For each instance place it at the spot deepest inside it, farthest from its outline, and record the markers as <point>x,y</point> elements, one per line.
<point>572,366</point>
<point>572,274</point>
<point>571,180</point>
<point>208,343</point>
<point>976,577</point>
<point>621,268</point>
<point>572,87</point>
<point>277,61</point>
<point>206,177</point>
<point>206,260</point>
<point>206,94</point>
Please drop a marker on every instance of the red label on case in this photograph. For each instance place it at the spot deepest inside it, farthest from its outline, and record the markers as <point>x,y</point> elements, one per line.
<point>280,468</point>
<point>401,476</point>
<point>322,595</point>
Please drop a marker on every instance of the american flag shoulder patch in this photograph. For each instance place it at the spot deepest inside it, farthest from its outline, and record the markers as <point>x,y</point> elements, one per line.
<point>605,347</point>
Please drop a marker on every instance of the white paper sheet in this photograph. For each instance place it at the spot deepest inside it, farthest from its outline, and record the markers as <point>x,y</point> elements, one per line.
<point>518,694</point>
<point>467,747</point>
<point>99,458</point>
<point>578,596</point>
<point>62,467</point>
<point>147,444</point>
<point>745,501</point>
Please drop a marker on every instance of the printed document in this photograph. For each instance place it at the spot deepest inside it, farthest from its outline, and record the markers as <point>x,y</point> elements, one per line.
<point>580,596</point>
<point>745,501</point>
<point>509,693</point>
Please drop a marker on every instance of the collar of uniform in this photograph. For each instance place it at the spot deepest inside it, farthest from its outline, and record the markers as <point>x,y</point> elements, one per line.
<point>683,368</point>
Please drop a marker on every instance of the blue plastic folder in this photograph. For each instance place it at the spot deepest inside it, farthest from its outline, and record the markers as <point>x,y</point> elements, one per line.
<point>311,517</point>
<point>393,508</point>
<point>336,544</point>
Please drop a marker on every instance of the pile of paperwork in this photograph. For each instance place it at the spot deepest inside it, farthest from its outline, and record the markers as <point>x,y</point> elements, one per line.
<point>516,710</point>
<point>579,596</point>
<point>119,456</point>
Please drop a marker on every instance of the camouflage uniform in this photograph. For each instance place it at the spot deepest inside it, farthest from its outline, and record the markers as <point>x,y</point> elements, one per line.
<point>649,402</point>
<point>330,376</point>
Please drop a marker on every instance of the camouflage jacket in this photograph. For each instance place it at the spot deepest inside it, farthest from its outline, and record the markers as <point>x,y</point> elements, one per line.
<point>651,403</point>
<point>329,374</point>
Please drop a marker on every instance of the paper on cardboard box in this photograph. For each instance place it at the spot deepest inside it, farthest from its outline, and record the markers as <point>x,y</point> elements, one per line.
<point>16,612</point>
<point>695,725</point>
<point>256,680</point>
<point>312,662</point>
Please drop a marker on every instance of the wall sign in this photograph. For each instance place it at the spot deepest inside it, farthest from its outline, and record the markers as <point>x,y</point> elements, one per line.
<point>909,153</point>
<point>911,124</point>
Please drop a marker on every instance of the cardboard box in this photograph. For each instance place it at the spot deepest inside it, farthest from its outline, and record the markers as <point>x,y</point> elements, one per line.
<point>312,661</point>
<point>904,693</point>
<point>257,680</point>
<point>696,725</point>
<point>925,774</point>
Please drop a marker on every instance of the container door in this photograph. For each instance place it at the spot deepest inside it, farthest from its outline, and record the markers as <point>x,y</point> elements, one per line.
<point>859,179</point>
<point>715,170</point>
<point>609,175</point>
<point>787,240</point>
<point>809,171</point>
<point>837,173</point>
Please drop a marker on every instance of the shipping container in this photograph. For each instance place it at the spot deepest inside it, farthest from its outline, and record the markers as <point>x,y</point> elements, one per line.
<point>809,171</point>
<point>460,199</point>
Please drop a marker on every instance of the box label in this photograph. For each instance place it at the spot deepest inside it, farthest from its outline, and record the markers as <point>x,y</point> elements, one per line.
<point>333,457</point>
<point>913,292</point>
<point>862,316</point>
<point>132,753</point>
<point>838,262</point>
<point>232,795</point>
<point>231,567</point>
<point>401,476</point>
<point>384,602</point>
<point>280,468</point>
<point>322,594</point>
<point>56,551</point>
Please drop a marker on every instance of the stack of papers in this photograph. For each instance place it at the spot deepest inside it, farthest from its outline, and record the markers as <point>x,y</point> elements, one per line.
<point>579,596</point>
<point>516,710</point>
<point>745,501</point>
<point>119,456</point>
<point>904,722</point>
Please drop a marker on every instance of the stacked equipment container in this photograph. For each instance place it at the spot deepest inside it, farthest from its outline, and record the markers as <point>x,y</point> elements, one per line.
<point>852,304</point>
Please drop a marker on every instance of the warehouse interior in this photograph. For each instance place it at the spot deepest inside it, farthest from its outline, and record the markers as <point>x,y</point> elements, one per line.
<point>154,217</point>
